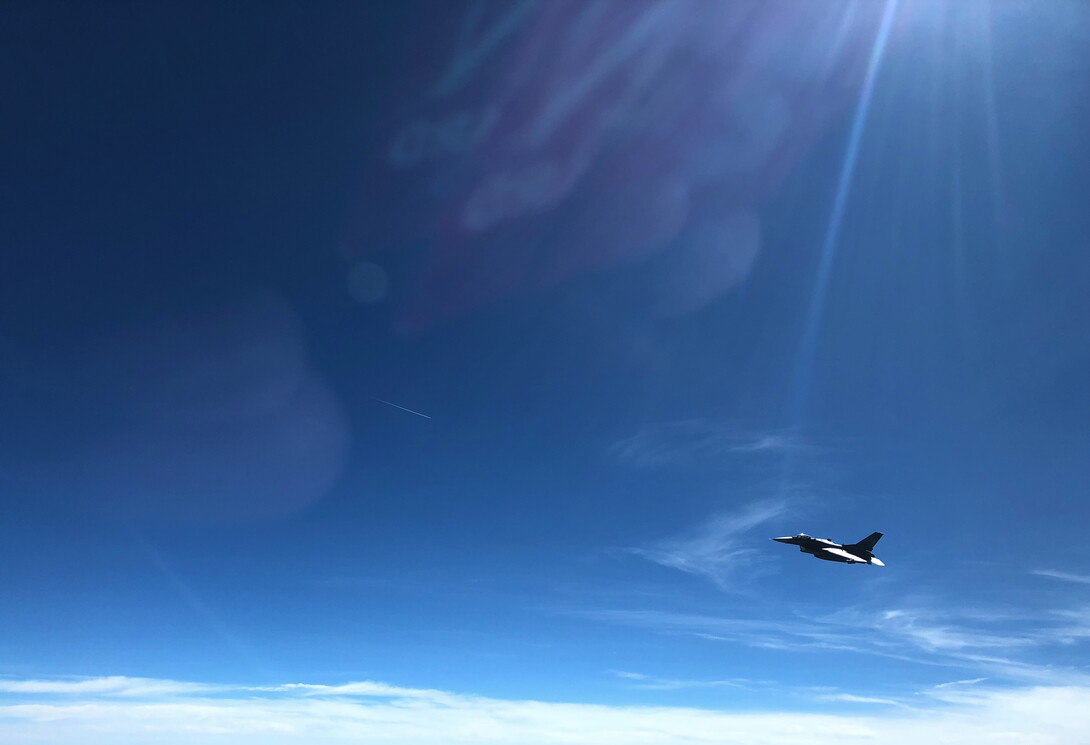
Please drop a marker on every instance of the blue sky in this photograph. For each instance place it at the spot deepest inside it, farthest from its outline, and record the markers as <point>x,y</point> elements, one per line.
<point>438,373</point>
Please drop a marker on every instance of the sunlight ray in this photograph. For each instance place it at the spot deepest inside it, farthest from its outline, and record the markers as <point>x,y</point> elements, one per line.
<point>808,346</point>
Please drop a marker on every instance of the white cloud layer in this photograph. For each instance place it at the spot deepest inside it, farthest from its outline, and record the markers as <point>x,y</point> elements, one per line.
<point>126,711</point>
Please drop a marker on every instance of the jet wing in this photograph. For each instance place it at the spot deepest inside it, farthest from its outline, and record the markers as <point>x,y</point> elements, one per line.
<point>842,553</point>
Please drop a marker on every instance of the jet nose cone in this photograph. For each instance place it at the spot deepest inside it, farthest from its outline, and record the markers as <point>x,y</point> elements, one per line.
<point>785,539</point>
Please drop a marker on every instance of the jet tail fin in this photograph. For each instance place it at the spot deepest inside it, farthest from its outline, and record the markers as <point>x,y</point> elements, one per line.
<point>867,544</point>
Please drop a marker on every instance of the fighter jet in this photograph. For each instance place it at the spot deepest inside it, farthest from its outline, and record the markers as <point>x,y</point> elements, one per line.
<point>848,553</point>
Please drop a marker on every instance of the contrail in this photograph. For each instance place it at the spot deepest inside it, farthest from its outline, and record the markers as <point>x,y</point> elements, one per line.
<point>400,407</point>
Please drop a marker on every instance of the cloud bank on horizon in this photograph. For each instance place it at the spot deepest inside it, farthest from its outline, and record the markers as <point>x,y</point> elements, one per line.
<point>124,711</point>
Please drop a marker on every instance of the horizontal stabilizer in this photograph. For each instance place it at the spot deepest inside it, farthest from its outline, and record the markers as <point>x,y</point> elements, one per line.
<point>876,560</point>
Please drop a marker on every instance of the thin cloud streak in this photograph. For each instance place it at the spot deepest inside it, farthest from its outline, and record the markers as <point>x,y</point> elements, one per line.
<point>1082,579</point>
<point>115,685</point>
<point>851,698</point>
<point>652,683</point>
<point>969,682</point>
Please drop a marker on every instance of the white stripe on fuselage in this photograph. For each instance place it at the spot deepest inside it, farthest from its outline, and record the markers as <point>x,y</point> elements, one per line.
<point>844,554</point>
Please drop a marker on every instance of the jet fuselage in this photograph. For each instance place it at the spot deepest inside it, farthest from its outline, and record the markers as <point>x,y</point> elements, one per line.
<point>823,548</point>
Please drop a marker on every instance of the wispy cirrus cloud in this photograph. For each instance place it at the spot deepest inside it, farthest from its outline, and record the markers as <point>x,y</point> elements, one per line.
<point>919,635</point>
<point>933,631</point>
<point>99,713</point>
<point>796,634</point>
<point>716,550</point>
<point>699,442</point>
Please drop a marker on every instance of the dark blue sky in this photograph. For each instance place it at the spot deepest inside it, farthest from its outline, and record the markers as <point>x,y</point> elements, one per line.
<point>584,241</point>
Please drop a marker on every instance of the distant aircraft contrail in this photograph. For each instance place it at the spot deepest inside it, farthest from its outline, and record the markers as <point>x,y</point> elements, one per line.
<point>400,407</point>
